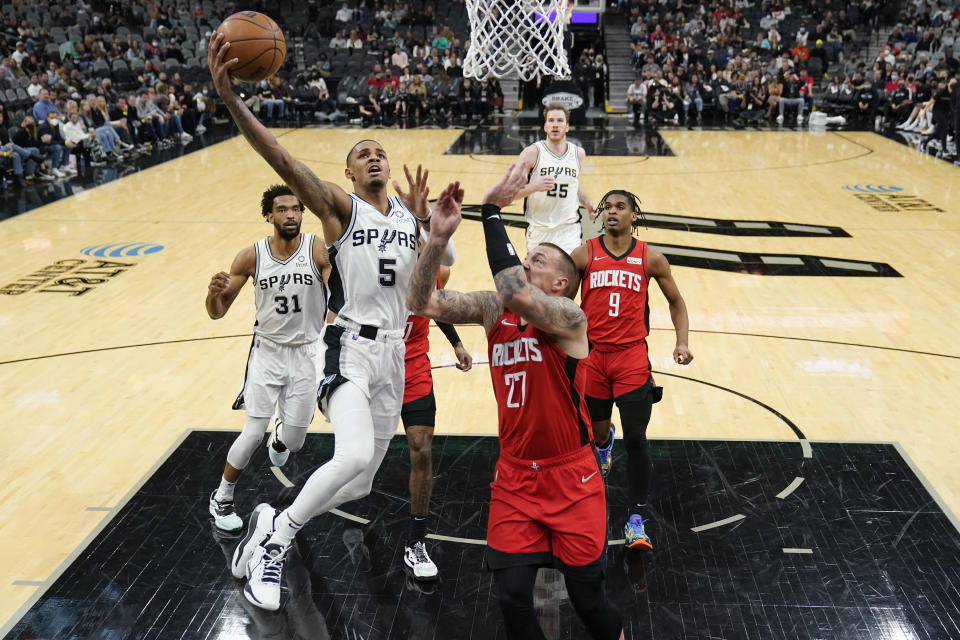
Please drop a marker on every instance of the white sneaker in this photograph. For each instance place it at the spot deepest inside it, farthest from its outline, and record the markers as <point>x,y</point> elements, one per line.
<point>800,119</point>
<point>58,173</point>
<point>417,558</point>
<point>199,129</point>
<point>278,452</point>
<point>265,572</point>
<point>929,130</point>
<point>224,514</point>
<point>258,530</point>
<point>185,138</point>
<point>779,119</point>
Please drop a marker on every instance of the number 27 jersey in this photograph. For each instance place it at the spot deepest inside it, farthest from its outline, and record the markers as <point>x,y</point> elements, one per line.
<point>613,294</point>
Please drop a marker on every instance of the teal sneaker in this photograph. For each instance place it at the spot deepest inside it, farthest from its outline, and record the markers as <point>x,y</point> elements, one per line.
<point>635,533</point>
<point>606,456</point>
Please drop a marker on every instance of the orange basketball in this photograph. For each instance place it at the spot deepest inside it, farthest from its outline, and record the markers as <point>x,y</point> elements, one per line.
<point>257,42</point>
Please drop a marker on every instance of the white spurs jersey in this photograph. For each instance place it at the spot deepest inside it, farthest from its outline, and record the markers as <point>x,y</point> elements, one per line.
<point>561,204</point>
<point>371,265</point>
<point>290,295</point>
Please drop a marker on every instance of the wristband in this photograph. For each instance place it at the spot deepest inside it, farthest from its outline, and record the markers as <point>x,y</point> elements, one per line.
<point>500,252</point>
<point>451,332</point>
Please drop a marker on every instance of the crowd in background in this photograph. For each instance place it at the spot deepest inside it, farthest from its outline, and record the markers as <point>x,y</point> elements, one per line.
<point>101,82</point>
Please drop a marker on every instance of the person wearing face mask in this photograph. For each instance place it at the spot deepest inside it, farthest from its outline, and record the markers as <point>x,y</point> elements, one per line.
<point>48,131</point>
<point>205,107</point>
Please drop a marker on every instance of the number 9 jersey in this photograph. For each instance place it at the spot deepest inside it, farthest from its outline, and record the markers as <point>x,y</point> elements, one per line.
<point>290,295</point>
<point>613,294</point>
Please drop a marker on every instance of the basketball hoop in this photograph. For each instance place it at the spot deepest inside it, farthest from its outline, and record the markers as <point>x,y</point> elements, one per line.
<point>522,36</point>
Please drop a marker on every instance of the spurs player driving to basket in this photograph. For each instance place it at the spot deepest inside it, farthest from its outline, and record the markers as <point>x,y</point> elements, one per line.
<point>288,271</point>
<point>372,246</point>
<point>553,193</point>
<point>616,269</point>
<point>547,503</point>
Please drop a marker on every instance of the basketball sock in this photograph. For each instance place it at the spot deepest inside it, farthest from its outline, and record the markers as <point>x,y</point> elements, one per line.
<point>637,508</point>
<point>418,528</point>
<point>285,529</point>
<point>225,490</point>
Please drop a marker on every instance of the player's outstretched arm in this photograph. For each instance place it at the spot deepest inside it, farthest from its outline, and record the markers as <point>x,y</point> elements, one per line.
<point>325,199</point>
<point>556,315</point>
<point>423,297</point>
<point>224,287</point>
<point>659,269</point>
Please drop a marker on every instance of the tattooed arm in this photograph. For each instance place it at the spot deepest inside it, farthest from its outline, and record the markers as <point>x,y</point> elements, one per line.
<point>325,199</point>
<point>543,304</point>
<point>423,297</point>
<point>557,315</point>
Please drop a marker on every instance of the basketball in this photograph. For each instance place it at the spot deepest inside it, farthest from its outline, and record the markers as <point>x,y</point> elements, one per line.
<point>257,42</point>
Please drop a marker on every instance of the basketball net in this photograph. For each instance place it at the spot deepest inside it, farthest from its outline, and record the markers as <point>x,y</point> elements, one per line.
<point>522,36</point>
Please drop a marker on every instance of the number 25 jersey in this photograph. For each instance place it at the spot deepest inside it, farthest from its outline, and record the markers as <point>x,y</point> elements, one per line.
<point>290,295</point>
<point>613,294</point>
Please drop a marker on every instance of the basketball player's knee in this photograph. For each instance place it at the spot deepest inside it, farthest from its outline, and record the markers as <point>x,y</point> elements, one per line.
<point>247,442</point>
<point>293,437</point>
<point>635,416</point>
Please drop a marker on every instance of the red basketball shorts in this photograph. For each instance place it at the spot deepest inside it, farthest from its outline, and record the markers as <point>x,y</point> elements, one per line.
<point>611,374</point>
<point>418,381</point>
<point>544,511</point>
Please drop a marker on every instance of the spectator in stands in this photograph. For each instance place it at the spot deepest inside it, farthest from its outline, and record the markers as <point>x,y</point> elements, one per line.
<point>497,94</point>
<point>107,136</point>
<point>43,106</point>
<point>354,41</point>
<point>83,140</point>
<point>376,80</point>
<point>53,143</point>
<point>453,68</point>
<point>637,99</point>
<point>468,100</point>
<point>27,162</point>
<point>33,89</point>
<point>325,108</point>
<point>693,95</point>
<point>417,100</point>
<point>270,101</point>
<point>599,81</point>
<point>820,53</point>
<point>791,96</point>
<point>369,106</point>
<point>774,92</point>
<point>339,42</point>
<point>54,155</point>
<point>344,14</point>
<point>582,74</point>
<point>399,58</point>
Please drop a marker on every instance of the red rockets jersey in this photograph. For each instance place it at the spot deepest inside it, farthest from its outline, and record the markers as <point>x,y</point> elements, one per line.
<point>416,334</point>
<point>613,294</point>
<point>539,391</point>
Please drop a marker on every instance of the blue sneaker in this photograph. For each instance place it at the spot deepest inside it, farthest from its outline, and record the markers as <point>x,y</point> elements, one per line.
<point>636,536</point>
<point>606,456</point>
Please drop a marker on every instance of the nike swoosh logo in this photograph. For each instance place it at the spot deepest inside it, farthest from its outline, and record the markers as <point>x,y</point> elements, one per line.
<point>584,479</point>
<point>509,324</point>
<point>599,257</point>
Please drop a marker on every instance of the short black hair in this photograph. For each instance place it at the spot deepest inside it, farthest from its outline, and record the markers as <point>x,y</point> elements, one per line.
<point>353,148</point>
<point>569,267</point>
<point>273,191</point>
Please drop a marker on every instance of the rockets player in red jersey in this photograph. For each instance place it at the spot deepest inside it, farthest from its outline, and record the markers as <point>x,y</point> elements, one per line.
<point>616,269</point>
<point>547,502</point>
<point>419,415</point>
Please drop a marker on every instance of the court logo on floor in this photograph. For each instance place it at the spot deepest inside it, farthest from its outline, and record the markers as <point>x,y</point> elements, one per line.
<point>122,249</point>
<point>888,198</point>
<point>78,276</point>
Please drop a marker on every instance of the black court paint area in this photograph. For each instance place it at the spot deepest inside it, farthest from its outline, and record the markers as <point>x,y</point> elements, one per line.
<point>857,549</point>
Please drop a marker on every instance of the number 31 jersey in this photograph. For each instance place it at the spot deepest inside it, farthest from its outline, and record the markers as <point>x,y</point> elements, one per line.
<point>290,295</point>
<point>613,294</point>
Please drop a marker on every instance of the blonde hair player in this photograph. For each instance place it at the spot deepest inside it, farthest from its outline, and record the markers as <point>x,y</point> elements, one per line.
<point>553,192</point>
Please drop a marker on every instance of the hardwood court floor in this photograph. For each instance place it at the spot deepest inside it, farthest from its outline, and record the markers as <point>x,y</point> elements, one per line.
<point>100,386</point>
